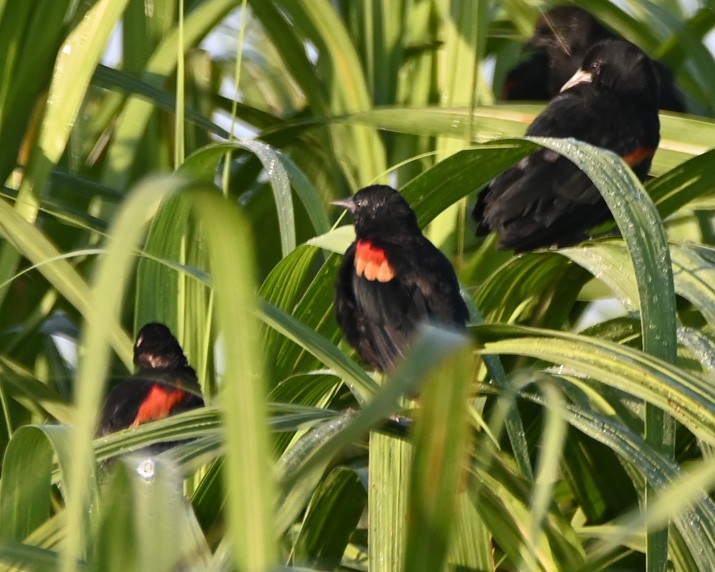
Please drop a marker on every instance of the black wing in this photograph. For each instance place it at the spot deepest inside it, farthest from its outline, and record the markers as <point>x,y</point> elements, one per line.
<point>380,318</point>
<point>356,309</point>
<point>122,404</point>
<point>545,199</point>
<point>125,400</point>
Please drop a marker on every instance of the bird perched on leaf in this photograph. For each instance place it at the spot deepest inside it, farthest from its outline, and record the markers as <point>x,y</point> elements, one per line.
<point>392,279</point>
<point>561,38</point>
<point>164,384</point>
<point>545,199</point>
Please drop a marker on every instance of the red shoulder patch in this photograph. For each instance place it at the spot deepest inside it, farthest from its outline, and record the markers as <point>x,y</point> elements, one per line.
<point>158,404</point>
<point>638,155</point>
<point>371,262</point>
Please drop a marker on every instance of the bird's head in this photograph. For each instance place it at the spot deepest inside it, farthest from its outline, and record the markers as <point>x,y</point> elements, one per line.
<point>156,348</point>
<point>620,67</point>
<point>380,210</point>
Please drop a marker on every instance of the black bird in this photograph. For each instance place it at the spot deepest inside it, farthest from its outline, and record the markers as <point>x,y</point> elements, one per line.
<point>528,80</point>
<point>561,38</point>
<point>163,385</point>
<point>392,279</point>
<point>545,199</point>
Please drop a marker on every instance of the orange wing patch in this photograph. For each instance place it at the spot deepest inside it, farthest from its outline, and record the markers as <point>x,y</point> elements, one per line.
<point>371,262</point>
<point>638,155</point>
<point>157,405</point>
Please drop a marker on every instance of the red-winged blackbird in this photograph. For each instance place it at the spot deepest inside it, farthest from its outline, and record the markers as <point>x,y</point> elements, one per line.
<point>545,199</point>
<point>163,385</point>
<point>560,41</point>
<point>392,279</point>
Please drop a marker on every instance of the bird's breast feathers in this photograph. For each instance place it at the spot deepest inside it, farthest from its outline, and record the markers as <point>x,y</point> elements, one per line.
<point>158,404</point>
<point>371,262</point>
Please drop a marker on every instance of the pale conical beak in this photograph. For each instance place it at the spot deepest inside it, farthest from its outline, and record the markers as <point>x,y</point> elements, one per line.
<point>346,203</point>
<point>581,76</point>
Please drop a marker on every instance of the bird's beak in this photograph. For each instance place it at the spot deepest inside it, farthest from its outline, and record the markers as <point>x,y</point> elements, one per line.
<point>346,203</point>
<point>581,76</point>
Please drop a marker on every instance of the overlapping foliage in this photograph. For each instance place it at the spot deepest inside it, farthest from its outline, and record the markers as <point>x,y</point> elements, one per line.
<point>556,437</point>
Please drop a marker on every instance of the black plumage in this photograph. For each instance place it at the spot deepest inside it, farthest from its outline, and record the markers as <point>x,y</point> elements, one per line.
<point>392,279</point>
<point>164,384</point>
<point>545,199</point>
<point>561,39</point>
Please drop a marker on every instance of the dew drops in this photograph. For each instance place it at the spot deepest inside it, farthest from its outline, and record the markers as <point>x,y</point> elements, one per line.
<point>146,468</point>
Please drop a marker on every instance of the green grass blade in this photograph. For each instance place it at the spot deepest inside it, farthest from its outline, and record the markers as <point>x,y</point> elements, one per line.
<point>135,115</point>
<point>360,146</point>
<point>331,517</point>
<point>683,184</point>
<point>73,70</point>
<point>248,477</point>
<point>360,382</point>
<point>684,493</point>
<point>693,274</point>
<point>643,232</point>
<point>472,543</point>
<point>389,470</point>
<point>35,246</point>
<point>502,500</point>
<point>686,397</point>
<point>460,174</point>
<point>144,504</point>
<point>298,491</point>
<point>204,163</point>
<point>682,136</point>
<point>441,440</point>
<point>390,463</point>
<point>105,302</point>
<point>24,489</point>
<point>31,37</point>
<point>19,556</point>
<point>550,454</point>
<point>427,350</point>
<point>695,523</point>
